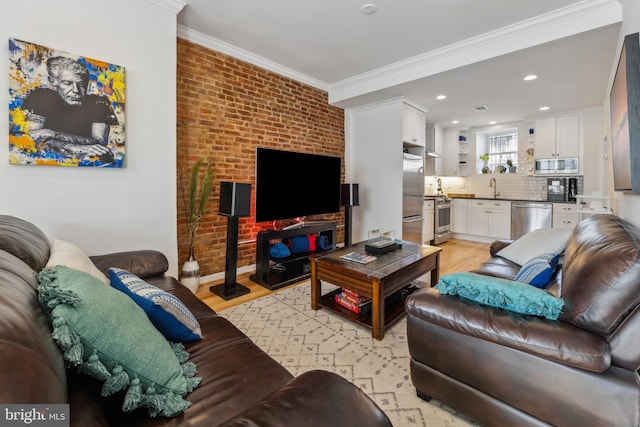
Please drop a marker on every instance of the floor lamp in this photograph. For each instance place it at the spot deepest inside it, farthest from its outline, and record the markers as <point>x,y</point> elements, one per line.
<point>348,198</point>
<point>235,202</point>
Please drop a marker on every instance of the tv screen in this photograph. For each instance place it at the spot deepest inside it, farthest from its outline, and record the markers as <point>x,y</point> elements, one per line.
<point>293,185</point>
<point>625,117</point>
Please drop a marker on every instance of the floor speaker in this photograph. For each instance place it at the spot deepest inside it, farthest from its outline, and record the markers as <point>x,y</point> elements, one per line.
<point>235,199</point>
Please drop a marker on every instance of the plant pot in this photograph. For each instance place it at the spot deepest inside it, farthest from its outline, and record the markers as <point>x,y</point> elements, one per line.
<point>190,274</point>
<point>512,169</point>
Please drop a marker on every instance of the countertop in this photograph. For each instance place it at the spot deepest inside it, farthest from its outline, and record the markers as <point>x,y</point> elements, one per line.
<point>506,199</point>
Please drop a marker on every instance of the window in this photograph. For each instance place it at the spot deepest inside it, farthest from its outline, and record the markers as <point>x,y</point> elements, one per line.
<point>502,149</point>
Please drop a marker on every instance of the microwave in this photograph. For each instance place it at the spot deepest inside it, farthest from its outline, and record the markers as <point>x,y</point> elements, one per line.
<point>567,165</point>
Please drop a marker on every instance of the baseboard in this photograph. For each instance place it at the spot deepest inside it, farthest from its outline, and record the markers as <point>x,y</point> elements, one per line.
<point>220,276</point>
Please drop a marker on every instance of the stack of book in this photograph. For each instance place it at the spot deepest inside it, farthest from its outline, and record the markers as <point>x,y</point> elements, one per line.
<point>352,301</point>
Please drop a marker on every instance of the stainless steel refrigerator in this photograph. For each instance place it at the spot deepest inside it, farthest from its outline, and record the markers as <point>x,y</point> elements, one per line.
<point>412,197</point>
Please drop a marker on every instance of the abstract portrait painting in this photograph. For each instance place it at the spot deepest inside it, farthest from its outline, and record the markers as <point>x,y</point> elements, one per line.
<point>64,109</point>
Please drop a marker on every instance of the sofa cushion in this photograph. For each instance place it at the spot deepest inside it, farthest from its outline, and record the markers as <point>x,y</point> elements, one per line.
<point>601,273</point>
<point>496,292</point>
<point>538,270</point>
<point>70,255</point>
<point>24,241</point>
<point>167,313</point>
<point>536,243</point>
<point>107,336</point>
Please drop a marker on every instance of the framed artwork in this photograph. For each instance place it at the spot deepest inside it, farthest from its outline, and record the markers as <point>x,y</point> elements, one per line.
<point>64,109</point>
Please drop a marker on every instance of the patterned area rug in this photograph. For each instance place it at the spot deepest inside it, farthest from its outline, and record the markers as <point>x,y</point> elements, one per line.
<point>301,339</point>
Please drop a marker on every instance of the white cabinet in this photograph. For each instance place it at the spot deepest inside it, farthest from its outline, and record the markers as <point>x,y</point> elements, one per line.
<point>558,137</point>
<point>428,223</point>
<point>413,126</point>
<point>489,218</point>
<point>450,153</point>
<point>564,216</point>
<point>459,217</point>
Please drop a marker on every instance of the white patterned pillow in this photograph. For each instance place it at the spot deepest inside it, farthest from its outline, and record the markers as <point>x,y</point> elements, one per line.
<point>536,243</point>
<point>70,255</point>
<point>167,313</point>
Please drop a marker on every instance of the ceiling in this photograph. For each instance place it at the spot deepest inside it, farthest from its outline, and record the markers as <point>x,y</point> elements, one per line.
<point>475,52</point>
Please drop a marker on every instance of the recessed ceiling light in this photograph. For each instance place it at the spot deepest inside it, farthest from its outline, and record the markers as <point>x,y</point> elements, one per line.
<point>492,122</point>
<point>545,108</point>
<point>530,77</point>
<point>455,122</point>
<point>441,97</point>
<point>369,9</point>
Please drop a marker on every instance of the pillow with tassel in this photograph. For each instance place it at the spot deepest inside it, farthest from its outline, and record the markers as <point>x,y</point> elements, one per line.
<point>108,336</point>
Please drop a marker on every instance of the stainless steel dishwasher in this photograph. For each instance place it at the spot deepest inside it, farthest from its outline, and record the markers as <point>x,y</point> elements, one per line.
<point>529,216</point>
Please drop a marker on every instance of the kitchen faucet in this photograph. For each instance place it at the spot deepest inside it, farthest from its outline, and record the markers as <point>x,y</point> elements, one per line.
<point>494,185</point>
<point>439,186</point>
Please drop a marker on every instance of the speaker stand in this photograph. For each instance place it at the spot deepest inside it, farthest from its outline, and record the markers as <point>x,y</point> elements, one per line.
<point>347,225</point>
<point>230,288</point>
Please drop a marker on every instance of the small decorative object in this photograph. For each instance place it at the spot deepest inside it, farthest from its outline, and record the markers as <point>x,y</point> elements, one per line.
<point>64,109</point>
<point>197,203</point>
<point>512,169</point>
<point>485,159</point>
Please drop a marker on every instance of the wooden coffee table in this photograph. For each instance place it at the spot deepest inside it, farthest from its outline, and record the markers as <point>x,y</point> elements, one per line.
<point>379,280</point>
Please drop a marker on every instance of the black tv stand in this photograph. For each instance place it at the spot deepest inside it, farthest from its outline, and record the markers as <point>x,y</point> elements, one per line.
<point>293,268</point>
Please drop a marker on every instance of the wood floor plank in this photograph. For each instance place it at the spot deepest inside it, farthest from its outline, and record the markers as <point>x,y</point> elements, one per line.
<point>457,255</point>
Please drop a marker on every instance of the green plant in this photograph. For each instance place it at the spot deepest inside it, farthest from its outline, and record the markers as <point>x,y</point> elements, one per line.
<point>199,193</point>
<point>485,157</point>
<point>509,163</point>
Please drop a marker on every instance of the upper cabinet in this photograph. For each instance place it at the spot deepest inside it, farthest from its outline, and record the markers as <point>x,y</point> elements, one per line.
<point>413,126</point>
<point>557,137</point>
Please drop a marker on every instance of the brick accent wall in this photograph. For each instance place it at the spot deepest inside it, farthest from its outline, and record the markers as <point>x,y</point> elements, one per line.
<point>225,109</point>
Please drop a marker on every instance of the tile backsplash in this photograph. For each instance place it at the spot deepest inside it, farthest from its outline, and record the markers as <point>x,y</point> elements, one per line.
<point>511,186</point>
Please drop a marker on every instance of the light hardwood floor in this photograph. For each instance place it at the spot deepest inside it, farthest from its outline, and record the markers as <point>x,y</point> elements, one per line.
<point>457,255</point>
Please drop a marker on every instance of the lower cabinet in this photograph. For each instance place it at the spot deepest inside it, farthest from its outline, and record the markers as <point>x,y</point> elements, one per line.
<point>490,218</point>
<point>459,217</point>
<point>564,216</point>
<point>428,224</point>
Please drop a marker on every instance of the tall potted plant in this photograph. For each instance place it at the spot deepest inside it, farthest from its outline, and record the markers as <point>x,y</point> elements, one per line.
<point>198,194</point>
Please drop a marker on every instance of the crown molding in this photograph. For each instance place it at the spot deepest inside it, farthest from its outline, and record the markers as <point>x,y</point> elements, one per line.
<point>174,6</point>
<point>579,17</point>
<point>244,55</point>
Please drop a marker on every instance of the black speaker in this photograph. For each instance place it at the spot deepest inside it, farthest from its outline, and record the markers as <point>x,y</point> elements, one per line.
<point>235,199</point>
<point>349,195</point>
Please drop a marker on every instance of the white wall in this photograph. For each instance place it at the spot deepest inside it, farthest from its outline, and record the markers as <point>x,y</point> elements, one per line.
<point>374,144</point>
<point>103,210</point>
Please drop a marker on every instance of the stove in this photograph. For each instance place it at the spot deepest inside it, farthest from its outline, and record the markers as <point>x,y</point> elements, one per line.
<point>442,219</point>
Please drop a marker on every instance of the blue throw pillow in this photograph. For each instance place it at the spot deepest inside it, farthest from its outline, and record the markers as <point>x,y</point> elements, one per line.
<point>538,270</point>
<point>279,250</point>
<point>507,294</point>
<point>167,313</point>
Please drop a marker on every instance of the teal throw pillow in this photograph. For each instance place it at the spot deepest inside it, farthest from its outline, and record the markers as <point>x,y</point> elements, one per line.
<point>538,270</point>
<point>167,313</point>
<point>502,293</point>
<point>106,335</point>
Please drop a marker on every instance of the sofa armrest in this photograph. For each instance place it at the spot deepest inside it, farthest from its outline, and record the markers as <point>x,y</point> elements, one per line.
<point>142,263</point>
<point>314,399</point>
<point>550,339</point>
<point>497,245</point>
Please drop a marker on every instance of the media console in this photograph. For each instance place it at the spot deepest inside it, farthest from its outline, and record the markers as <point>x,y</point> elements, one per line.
<point>293,268</point>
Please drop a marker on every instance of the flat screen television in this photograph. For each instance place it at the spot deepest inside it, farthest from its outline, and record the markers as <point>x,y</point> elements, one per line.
<point>625,117</point>
<point>294,185</point>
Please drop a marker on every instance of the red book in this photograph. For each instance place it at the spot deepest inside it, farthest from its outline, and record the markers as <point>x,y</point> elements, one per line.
<point>346,304</point>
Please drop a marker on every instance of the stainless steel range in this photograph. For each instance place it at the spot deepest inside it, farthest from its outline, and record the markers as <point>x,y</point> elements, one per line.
<point>442,218</point>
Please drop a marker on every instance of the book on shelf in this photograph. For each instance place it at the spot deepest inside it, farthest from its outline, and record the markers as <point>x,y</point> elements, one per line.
<point>354,307</point>
<point>354,297</point>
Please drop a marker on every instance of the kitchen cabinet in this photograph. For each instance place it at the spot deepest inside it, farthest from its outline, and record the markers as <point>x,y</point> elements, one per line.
<point>564,216</point>
<point>459,221</point>
<point>413,126</point>
<point>558,137</point>
<point>489,218</point>
<point>428,223</point>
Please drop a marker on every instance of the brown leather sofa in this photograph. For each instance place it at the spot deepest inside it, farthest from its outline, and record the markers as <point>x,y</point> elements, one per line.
<point>241,385</point>
<point>507,369</point>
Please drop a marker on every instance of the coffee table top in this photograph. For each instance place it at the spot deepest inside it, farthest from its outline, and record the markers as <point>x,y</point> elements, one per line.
<point>384,264</point>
